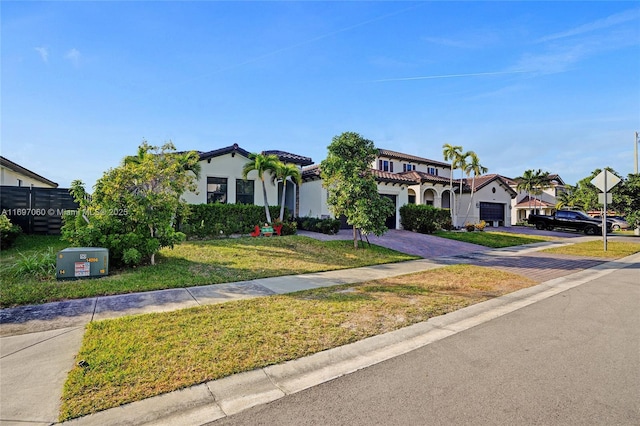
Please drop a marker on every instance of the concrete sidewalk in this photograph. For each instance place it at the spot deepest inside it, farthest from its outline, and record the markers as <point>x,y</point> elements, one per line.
<point>40,342</point>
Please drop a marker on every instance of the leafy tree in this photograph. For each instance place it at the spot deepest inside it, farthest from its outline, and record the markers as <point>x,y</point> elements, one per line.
<point>451,153</point>
<point>586,194</point>
<point>132,209</point>
<point>261,163</point>
<point>626,199</point>
<point>352,188</point>
<point>282,173</point>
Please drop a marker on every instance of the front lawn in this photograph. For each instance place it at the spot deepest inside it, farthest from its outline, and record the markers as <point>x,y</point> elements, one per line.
<point>492,239</point>
<point>190,263</point>
<point>615,249</point>
<point>136,357</point>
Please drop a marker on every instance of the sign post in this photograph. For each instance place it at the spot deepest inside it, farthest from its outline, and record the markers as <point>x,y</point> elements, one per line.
<point>604,182</point>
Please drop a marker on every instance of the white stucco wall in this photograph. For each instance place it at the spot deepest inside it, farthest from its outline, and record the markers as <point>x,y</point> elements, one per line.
<point>10,178</point>
<point>313,199</point>
<point>230,167</point>
<point>402,197</point>
<point>486,195</point>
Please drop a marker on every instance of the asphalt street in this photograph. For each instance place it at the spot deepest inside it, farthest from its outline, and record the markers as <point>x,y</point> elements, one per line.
<point>572,359</point>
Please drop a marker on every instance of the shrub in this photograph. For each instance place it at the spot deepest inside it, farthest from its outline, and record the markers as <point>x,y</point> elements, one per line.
<point>470,227</point>
<point>423,218</point>
<point>480,225</point>
<point>327,226</point>
<point>41,265</point>
<point>8,232</point>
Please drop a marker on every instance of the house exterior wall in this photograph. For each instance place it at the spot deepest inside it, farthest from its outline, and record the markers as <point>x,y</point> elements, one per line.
<point>12,178</point>
<point>484,195</point>
<point>313,199</point>
<point>395,165</point>
<point>230,166</point>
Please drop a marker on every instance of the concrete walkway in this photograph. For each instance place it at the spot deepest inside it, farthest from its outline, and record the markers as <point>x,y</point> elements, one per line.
<point>39,343</point>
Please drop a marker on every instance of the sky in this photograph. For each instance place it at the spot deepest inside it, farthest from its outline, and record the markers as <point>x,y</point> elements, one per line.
<point>526,85</point>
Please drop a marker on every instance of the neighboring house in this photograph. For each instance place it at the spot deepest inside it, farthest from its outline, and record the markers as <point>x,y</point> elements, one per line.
<point>402,178</point>
<point>12,174</point>
<point>525,204</point>
<point>491,201</point>
<point>221,179</point>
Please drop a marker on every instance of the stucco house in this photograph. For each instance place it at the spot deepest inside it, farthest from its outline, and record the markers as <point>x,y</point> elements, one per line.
<point>13,174</point>
<point>403,178</point>
<point>221,179</point>
<point>545,203</point>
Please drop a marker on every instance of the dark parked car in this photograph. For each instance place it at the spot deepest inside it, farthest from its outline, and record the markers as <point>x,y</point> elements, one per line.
<point>569,219</point>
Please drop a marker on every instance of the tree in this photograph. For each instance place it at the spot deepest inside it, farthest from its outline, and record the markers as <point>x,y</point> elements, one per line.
<point>132,209</point>
<point>567,198</point>
<point>351,185</point>
<point>626,199</point>
<point>261,163</point>
<point>451,153</point>
<point>476,168</point>
<point>282,173</point>
<point>533,182</point>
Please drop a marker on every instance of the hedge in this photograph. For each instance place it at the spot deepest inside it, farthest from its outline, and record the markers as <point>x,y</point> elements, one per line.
<point>424,218</point>
<point>215,220</point>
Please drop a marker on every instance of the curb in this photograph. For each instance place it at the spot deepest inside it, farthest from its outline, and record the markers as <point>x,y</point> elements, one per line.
<point>204,403</point>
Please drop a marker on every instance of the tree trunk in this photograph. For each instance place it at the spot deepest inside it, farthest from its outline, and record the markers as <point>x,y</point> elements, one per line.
<point>355,238</point>
<point>284,189</point>
<point>266,204</point>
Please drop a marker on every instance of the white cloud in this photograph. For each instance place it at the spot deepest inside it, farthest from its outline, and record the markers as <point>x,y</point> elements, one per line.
<point>609,21</point>
<point>44,53</point>
<point>74,56</point>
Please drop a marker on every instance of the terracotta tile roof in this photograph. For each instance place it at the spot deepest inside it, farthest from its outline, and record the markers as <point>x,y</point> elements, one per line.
<point>421,177</point>
<point>524,203</point>
<point>412,158</point>
<point>482,181</point>
<point>313,173</point>
<point>288,157</point>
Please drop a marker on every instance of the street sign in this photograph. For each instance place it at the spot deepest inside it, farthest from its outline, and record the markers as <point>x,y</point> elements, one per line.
<point>605,181</point>
<point>603,200</point>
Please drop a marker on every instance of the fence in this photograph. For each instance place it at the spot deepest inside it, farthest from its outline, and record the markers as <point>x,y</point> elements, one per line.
<point>36,210</point>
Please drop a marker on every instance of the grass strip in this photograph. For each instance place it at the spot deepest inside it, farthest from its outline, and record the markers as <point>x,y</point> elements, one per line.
<point>137,357</point>
<point>492,239</point>
<point>191,263</point>
<point>615,249</point>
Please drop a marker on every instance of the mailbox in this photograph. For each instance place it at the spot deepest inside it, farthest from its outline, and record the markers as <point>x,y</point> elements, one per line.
<point>82,262</point>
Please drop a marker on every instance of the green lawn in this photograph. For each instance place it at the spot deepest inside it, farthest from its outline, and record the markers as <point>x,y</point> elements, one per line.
<point>492,239</point>
<point>191,263</point>
<point>132,358</point>
<point>615,249</point>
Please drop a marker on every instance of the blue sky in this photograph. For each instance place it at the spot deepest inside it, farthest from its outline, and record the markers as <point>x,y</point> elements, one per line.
<point>526,85</point>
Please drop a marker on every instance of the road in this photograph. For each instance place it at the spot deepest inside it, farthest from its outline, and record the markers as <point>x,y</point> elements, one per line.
<point>571,359</point>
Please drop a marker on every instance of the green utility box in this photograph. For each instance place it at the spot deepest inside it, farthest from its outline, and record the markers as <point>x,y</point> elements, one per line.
<point>82,262</point>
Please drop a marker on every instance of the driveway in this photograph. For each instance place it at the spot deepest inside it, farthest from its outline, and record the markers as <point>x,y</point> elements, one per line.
<point>430,246</point>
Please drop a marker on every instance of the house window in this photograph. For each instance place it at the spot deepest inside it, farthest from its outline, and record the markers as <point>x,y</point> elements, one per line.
<point>408,167</point>
<point>432,171</point>
<point>244,191</point>
<point>216,190</point>
<point>391,166</point>
<point>412,199</point>
<point>384,165</point>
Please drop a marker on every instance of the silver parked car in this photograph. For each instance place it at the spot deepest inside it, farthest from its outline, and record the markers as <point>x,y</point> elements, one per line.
<point>618,222</point>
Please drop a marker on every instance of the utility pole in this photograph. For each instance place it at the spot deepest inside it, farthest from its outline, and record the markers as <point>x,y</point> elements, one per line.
<point>635,150</point>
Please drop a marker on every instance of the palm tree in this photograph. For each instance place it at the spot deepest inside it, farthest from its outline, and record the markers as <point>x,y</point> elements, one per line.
<point>281,173</point>
<point>451,153</point>
<point>566,198</point>
<point>261,163</point>
<point>476,168</point>
<point>526,183</point>
<point>542,182</point>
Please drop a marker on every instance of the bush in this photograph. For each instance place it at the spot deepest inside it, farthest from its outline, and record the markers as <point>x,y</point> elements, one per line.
<point>480,225</point>
<point>215,220</point>
<point>41,265</point>
<point>325,226</point>
<point>8,232</point>
<point>423,218</point>
<point>470,227</point>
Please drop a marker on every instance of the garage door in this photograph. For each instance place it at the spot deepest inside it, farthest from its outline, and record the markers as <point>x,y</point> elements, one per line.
<point>490,212</point>
<point>391,220</point>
